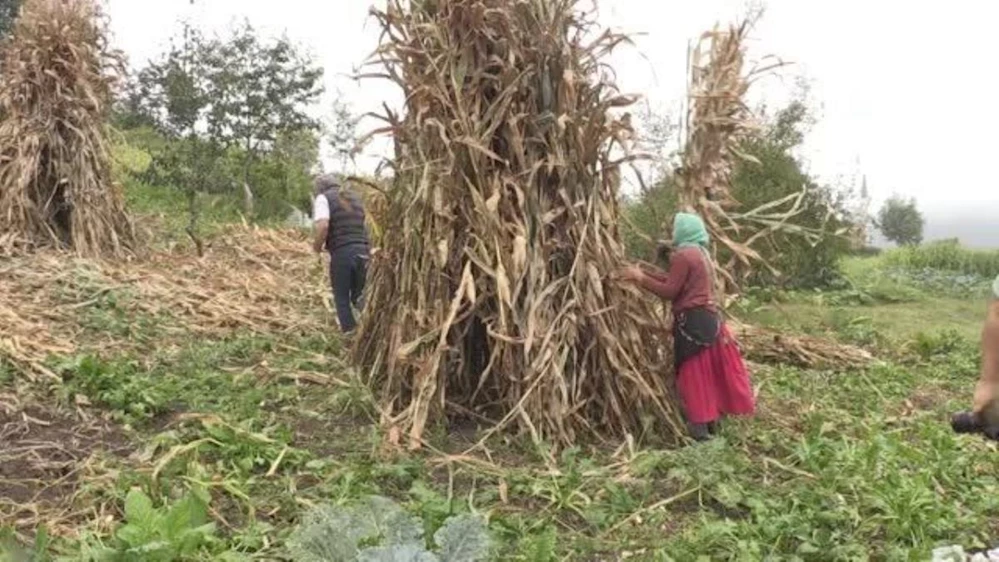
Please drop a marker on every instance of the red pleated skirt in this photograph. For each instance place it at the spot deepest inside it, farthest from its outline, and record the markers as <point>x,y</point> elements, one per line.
<point>715,382</point>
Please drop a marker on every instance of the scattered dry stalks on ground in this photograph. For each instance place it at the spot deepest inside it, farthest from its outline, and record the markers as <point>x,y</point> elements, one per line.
<point>806,352</point>
<point>250,280</point>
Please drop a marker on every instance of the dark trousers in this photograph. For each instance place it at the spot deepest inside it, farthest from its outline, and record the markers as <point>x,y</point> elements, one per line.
<point>348,268</point>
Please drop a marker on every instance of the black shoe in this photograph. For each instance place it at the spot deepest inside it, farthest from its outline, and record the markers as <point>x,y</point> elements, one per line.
<point>699,431</point>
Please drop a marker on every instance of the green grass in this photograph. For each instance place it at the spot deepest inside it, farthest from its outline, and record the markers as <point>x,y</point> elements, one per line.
<point>867,325</point>
<point>836,466</point>
<point>880,307</point>
<point>168,207</point>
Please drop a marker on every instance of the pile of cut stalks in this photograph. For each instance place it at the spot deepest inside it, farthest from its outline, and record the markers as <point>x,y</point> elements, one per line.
<point>57,75</point>
<point>493,297</point>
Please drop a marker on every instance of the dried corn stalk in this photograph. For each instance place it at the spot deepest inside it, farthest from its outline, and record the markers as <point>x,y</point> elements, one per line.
<point>491,296</point>
<point>55,165</point>
<point>768,346</point>
<point>375,205</point>
<point>718,124</point>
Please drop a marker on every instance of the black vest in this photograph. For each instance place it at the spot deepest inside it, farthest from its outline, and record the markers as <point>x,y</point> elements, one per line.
<point>347,226</point>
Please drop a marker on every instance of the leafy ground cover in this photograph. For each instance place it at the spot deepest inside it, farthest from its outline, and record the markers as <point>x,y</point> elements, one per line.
<point>185,409</point>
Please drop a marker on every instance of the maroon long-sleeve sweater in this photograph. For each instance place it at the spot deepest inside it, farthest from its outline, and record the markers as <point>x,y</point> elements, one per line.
<point>687,284</point>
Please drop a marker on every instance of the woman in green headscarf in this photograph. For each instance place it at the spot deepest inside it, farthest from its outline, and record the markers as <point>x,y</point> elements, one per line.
<point>711,375</point>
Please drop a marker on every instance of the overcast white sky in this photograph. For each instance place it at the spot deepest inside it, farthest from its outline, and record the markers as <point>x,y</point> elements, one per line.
<point>903,89</point>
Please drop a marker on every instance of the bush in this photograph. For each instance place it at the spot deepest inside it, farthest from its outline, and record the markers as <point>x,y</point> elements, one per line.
<point>866,252</point>
<point>280,179</point>
<point>938,344</point>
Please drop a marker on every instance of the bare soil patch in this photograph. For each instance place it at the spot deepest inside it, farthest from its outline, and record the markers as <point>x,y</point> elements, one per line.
<point>46,458</point>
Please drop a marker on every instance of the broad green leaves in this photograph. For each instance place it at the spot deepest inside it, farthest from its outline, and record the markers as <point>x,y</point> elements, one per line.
<point>378,530</point>
<point>164,534</point>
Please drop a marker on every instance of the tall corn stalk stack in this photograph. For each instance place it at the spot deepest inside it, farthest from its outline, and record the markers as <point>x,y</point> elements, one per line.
<point>718,123</point>
<point>494,296</point>
<point>56,86</point>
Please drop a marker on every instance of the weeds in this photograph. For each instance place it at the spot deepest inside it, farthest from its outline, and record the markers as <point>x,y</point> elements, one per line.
<point>175,532</point>
<point>118,386</point>
<point>940,345</point>
<point>11,551</point>
<point>837,467</point>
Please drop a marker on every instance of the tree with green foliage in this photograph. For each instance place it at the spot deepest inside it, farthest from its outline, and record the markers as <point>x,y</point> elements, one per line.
<point>287,168</point>
<point>168,99</point>
<point>901,222</point>
<point>235,114</point>
<point>258,90</point>
<point>774,175</point>
<point>172,92</point>
<point>342,132</point>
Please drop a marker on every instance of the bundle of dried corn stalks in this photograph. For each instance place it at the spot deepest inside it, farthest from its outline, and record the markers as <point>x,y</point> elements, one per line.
<point>492,293</point>
<point>373,193</point>
<point>55,166</point>
<point>718,124</point>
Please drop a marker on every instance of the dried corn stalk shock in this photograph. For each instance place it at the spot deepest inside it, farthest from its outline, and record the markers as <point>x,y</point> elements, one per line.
<point>718,123</point>
<point>56,84</point>
<point>493,294</point>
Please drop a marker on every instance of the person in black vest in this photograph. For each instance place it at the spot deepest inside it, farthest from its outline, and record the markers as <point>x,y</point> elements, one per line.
<point>338,215</point>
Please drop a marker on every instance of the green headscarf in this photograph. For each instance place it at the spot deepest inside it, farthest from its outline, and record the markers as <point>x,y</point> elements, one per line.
<point>689,231</point>
<point>995,287</point>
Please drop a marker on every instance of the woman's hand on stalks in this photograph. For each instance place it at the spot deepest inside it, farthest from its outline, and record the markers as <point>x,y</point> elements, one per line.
<point>664,251</point>
<point>631,274</point>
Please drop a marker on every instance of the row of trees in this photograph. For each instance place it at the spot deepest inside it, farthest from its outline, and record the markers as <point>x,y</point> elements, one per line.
<point>233,116</point>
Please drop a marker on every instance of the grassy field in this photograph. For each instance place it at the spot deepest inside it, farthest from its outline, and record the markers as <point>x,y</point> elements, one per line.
<point>879,304</point>
<point>192,431</point>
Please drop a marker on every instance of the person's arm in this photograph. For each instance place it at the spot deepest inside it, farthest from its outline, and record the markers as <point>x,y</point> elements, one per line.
<point>657,275</point>
<point>669,285</point>
<point>321,223</point>
<point>987,390</point>
<point>322,228</point>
